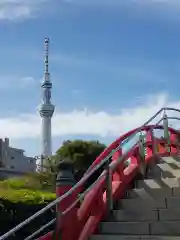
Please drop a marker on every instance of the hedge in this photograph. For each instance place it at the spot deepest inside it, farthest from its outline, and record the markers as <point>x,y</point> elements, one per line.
<point>22,197</point>
<point>11,214</point>
<point>34,181</point>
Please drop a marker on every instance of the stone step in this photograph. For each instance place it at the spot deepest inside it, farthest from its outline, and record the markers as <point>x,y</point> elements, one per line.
<point>173,203</point>
<point>149,203</point>
<point>171,228</point>
<point>129,237</point>
<point>169,215</point>
<point>156,188</point>
<point>163,183</point>
<point>159,238</point>
<point>125,228</point>
<point>174,162</point>
<point>143,204</point>
<point>151,215</point>
<point>115,237</point>
<point>166,167</point>
<point>163,169</point>
<point>167,228</point>
<point>132,216</point>
<point>176,192</point>
<point>154,193</point>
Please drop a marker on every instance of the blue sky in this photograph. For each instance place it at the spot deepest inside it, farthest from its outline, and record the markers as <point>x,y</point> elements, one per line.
<point>113,63</point>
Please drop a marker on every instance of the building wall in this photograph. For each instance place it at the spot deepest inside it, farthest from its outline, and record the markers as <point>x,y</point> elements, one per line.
<point>14,159</point>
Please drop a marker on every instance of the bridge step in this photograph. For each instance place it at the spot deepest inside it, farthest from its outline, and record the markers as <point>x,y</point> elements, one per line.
<point>159,238</point>
<point>165,170</point>
<point>163,183</point>
<point>166,167</point>
<point>175,160</point>
<point>130,216</point>
<point>151,211</point>
<point>165,228</point>
<point>156,188</point>
<point>147,203</point>
<point>173,203</point>
<point>125,228</point>
<point>151,215</point>
<point>154,193</point>
<point>141,228</point>
<point>169,214</point>
<point>121,237</point>
<point>115,237</point>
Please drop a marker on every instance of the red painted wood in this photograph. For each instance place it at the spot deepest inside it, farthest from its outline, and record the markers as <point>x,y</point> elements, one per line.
<point>118,141</point>
<point>48,236</point>
<point>70,219</point>
<point>118,175</point>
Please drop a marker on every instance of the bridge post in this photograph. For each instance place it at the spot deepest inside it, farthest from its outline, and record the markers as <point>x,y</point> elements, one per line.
<point>142,154</point>
<point>154,146</point>
<point>64,182</point>
<point>166,132</point>
<point>109,198</point>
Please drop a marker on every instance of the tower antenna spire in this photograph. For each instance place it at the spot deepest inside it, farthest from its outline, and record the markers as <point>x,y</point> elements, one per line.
<point>46,59</point>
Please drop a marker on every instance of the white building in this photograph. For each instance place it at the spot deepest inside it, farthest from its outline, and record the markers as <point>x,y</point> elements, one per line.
<point>14,159</point>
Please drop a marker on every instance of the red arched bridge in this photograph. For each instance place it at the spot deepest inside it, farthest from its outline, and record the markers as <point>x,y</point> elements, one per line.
<point>81,211</point>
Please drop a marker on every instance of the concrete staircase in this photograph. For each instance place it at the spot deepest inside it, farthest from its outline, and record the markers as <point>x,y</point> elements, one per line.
<point>151,210</point>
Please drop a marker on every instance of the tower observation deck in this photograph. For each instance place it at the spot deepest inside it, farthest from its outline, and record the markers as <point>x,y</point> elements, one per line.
<point>46,109</point>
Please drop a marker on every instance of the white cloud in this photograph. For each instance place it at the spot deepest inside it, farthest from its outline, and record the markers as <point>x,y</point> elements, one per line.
<point>86,122</point>
<point>18,9</point>
<point>10,81</point>
<point>21,9</point>
<point>27,81</point>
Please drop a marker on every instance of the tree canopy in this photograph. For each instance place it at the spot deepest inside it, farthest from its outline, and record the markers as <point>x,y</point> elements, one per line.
<point>81,153</point>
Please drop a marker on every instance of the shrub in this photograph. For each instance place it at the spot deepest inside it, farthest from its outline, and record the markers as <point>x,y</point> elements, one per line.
<point>11,214</point>
<point>26,196</point>
<point>37,181</point>
<point>22,197</point>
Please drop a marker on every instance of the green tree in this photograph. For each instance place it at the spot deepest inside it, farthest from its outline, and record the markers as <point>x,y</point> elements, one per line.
<point>81,153</point>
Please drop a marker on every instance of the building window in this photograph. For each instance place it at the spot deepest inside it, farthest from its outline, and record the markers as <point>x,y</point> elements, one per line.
<point>12,157</point>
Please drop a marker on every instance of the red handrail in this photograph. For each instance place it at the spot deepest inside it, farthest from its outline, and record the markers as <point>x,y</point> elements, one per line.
<point>123,137</point>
